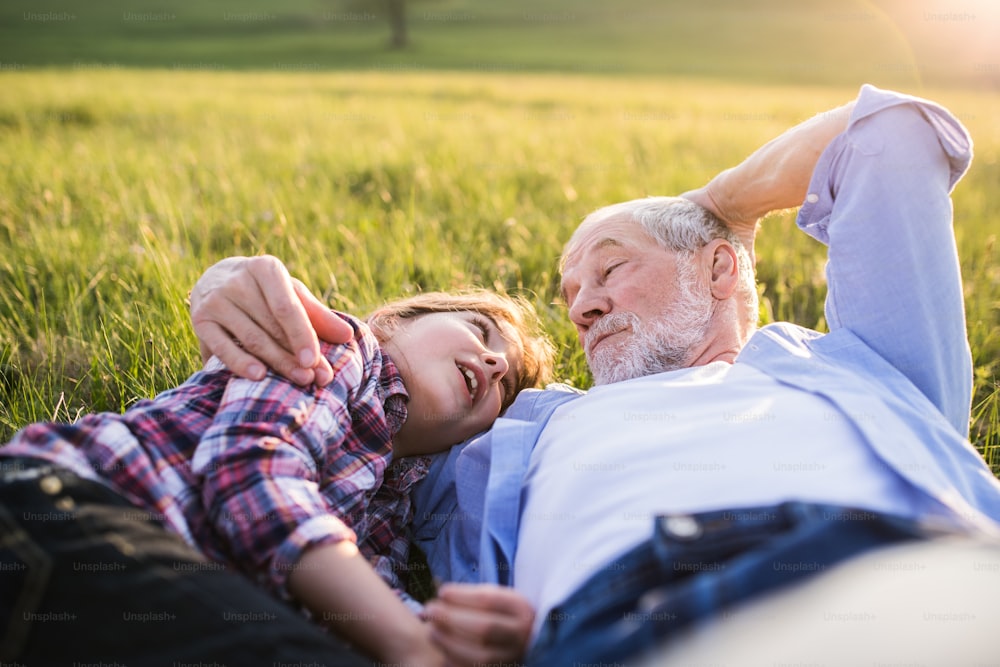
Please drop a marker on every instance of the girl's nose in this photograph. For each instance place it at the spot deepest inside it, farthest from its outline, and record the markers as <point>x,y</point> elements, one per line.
<point>496,365</point>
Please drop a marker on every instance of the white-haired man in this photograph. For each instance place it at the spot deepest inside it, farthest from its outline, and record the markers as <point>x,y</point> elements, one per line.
<point>712,462</point>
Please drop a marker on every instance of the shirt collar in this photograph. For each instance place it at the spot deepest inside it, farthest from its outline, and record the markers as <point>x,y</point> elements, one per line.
<point>407,471</point>
<point>403,473</point>
<point>392,393</point>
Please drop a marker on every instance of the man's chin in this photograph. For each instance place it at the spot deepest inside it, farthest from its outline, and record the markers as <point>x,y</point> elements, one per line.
<point>611,366</point>
<point>609,369</point>
<point>602,365</point>
<point>614,378</point>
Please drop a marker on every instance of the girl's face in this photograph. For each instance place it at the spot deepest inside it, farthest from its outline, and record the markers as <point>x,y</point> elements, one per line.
<point>458,369</point>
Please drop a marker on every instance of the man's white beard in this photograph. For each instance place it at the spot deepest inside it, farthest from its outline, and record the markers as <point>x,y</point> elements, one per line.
<point>662,345</point>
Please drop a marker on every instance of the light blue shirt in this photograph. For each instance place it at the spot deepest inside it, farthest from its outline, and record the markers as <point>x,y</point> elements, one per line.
<point>896,363</point>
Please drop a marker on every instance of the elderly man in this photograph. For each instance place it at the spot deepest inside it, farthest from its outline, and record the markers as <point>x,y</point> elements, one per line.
<point>712,462</point>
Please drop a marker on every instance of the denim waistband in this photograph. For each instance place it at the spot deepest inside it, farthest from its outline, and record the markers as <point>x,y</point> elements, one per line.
<point>693,565</point>
<point>23,468</point>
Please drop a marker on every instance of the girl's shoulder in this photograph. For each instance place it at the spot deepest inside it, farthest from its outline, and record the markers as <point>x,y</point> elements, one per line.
<point>358,359</point>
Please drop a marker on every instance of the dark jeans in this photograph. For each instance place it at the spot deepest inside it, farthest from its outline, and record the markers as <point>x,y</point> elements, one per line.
<point>697,566</point>
<point>86,577</point>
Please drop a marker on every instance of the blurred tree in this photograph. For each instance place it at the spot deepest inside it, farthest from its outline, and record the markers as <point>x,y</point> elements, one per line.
<point>398,39</point>
<point>395,11</point>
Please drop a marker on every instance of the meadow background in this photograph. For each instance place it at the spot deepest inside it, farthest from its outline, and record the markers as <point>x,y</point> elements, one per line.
<point>142,141</point>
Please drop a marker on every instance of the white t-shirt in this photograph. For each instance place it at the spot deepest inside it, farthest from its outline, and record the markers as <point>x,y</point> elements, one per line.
<point>713,437</point>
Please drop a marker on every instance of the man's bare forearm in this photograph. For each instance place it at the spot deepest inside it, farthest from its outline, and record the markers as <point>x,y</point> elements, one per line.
<point>775,176</point>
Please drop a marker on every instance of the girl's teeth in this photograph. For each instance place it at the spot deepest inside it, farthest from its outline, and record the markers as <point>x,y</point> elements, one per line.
<point>473,383</point>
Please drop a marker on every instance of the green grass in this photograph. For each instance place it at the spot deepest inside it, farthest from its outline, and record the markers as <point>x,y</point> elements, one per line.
<point>118,187</point>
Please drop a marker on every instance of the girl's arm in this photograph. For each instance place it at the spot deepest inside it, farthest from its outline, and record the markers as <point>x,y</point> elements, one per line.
<point>282,468</point>
<point>345,594</point>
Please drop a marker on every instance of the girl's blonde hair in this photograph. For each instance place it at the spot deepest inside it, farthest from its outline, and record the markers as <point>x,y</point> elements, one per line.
<point>537,350</point>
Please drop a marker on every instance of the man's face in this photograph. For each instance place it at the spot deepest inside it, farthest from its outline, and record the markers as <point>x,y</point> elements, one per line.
<point>638,308</point>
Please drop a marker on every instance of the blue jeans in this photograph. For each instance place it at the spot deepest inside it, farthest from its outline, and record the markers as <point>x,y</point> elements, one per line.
<point>86,577</point>
<point>697,566</point>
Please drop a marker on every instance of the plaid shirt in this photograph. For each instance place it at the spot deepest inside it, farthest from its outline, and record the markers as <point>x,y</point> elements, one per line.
<point>254,473</point>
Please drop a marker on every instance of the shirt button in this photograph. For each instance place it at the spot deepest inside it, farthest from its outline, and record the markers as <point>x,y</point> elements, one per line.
<point>681,526</point>
<point>812,197</point>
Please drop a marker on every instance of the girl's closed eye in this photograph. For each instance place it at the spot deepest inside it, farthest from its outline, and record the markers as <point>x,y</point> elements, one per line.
<point>483,326</point>
<point>507,384</point>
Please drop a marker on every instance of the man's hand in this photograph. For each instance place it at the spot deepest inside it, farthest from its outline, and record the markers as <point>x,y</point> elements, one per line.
<point>480,624</point>
<point>774,177</point>
<point>745,227</point>
<point>253,315</point>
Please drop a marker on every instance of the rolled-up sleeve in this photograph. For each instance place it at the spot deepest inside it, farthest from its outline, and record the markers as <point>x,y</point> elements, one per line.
<point>880,198</point>
<point>266,469</point>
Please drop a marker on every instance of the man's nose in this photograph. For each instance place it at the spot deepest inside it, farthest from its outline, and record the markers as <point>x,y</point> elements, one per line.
<point>588,305</point>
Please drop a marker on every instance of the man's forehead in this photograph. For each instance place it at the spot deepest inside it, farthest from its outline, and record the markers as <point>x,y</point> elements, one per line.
<point>586,249</point>
<point>616,232</point>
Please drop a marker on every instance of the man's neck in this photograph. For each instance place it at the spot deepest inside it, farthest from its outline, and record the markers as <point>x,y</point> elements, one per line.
<point>711,356</point>
<point>722,342</point>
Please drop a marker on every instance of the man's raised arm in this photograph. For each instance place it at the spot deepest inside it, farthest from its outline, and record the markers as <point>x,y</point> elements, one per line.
<point>878,195</point>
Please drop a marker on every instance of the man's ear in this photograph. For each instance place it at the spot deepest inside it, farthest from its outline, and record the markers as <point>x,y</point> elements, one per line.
<point>725,273</point>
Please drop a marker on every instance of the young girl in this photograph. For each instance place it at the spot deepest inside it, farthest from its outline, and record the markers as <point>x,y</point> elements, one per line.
<point>302,489</point>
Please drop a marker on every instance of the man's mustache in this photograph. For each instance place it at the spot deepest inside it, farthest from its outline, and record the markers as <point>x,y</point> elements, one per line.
<point>607,325</point>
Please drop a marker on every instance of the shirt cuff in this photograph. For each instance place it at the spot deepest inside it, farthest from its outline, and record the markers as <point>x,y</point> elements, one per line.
<point>814,215</point>
<point>416,607</point>
<point>314,532</point>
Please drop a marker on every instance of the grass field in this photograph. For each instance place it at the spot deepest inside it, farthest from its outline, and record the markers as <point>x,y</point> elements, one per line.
<point>118,187</point>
